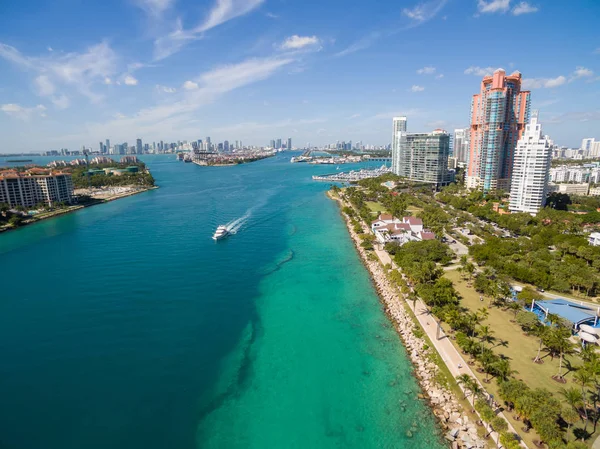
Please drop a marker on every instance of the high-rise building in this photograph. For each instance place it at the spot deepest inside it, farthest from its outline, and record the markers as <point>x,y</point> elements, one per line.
<point>226,145</point>
<point>398,134</point>
<point>586,144</point>
<point>531,168</point>
<point>138,146</point>
<point>102,148</point>
<point>272,143</point>
<point>499,114</point>
<point>278,144</point>
<point>289,143</point>
<point>460,148</point>
<point>421,157</point>
<point>207,144</point>
<point>107,145</point>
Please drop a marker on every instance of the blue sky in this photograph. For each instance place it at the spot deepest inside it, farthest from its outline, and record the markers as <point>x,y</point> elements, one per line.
<point>76,72</point>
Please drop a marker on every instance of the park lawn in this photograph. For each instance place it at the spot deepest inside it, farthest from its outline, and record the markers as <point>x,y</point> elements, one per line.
<point>520,349</point>
<point>414,210</point>
<point>375,207</point>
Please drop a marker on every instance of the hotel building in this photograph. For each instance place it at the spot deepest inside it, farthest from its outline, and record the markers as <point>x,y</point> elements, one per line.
<point>499,114</point>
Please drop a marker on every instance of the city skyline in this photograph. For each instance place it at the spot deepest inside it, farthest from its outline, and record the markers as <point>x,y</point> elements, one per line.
<point>62,91</point>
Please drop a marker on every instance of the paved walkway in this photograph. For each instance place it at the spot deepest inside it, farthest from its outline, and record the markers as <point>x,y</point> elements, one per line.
<point>448,353</point>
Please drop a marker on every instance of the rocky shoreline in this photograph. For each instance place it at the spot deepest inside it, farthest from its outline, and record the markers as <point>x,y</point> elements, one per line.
<point>460,431</point>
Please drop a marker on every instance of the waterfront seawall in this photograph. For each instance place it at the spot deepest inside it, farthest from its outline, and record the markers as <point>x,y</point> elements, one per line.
<point>461,431</point>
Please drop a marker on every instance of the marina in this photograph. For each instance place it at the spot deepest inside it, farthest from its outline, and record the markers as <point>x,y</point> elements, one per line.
<point>354,175</point>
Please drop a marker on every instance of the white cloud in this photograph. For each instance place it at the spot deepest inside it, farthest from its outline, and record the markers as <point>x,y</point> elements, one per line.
<point>77,70</point>
<point>166,89</point>
<point>426,71</point>
<point>21,112</point>
<point>540,83</point>
<point>44,86</point>
<point>480,71</point>
<point>597,51</point>
<point>581,72</point>
<point>107,80</point>
<point>225,10</point>
<point>61,102</point>
<point>221,12</point>
<point>543,83</point>
<point>493,6</point>
<point>190,85</point>
<point>270,15</point>
<point>439,77</point>
<point>423,12</point>
<point>130,80</point>
<point>583,116</point>
<point>50,49</point>
<point>155,7</point>
<point>354,116</point>
<point>296,42</point>
<point>361,44</point>
<point>416,88</point>
<point>171,43</point>
<point>178,113</point>
<point>524,8</point>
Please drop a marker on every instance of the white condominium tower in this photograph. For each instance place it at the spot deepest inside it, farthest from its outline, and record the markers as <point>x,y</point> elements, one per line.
<point>461,145</point>
<point>398,135</point>
<point>531,169</point>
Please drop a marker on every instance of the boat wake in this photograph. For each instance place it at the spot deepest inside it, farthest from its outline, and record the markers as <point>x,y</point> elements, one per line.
<point>235,225</point>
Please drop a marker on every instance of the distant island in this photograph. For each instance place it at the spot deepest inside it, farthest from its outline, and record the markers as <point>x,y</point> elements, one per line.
<point>216,159</point>
<point>75,185</point>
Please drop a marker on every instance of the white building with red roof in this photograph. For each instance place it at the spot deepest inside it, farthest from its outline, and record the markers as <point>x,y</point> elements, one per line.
<point>400,230</point>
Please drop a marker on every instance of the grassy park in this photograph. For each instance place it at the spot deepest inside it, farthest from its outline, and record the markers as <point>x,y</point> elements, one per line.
<point>519,348</point>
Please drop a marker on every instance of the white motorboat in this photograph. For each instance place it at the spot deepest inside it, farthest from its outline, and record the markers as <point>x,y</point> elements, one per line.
<point>220,233</point>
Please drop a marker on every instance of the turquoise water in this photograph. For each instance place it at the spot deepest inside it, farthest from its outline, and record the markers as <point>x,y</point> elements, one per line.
<point>126,326</point>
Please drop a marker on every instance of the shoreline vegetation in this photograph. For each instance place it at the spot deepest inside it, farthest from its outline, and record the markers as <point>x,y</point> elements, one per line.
<point>529,380</point>
<point>456,419</point>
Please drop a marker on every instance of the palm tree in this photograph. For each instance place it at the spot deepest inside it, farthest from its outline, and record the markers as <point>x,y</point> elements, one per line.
<point>467,383</point>
<point>560,344</point>
<point>570,416</point>
<point>485,335</point>
<point>524,406</point>
<point>482,314</point>
<point>541,332</point>
<point>502,369</point>
<point>584,378</point>
<point>573,397</point>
